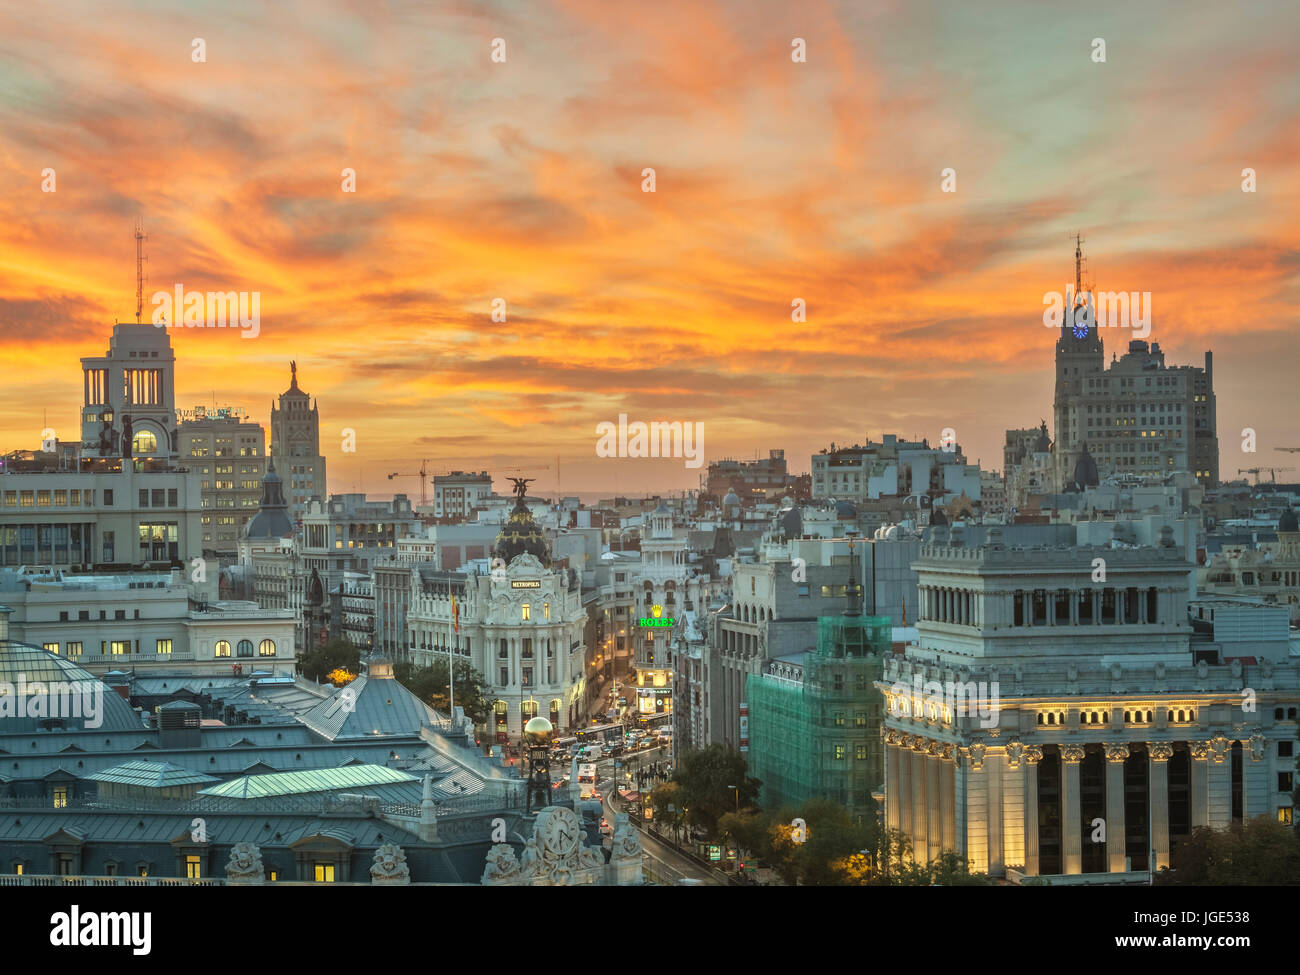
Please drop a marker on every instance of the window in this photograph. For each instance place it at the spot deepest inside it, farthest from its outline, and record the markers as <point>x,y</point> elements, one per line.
<point>222,649</point>
<point>266,648</point>
<point>51,647</point>
<point>74,649</point>
<point>245,648</point>
<point>526,611</point>
<point>1284,781</point>
<point>324,873</point>
<point>505,675</point>
<point>1283,816</point>
<point>120,648</point>
<point>60,797</point>
<point>860,753</point>
<point>108,500</point>
<point>193,868</point>
<point>546,610</point>
<point>1284,749</point>
<point>839,753</point>
<point>163,646</point>
<point>839,719</point>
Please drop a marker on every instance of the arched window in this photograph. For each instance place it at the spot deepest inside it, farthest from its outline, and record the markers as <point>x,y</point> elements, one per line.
<point>144,443</point>
<point>223,648</point>
<point>555,712</point>
<point>266,648</point>
<point>546,609</point>
<point>245,648</point>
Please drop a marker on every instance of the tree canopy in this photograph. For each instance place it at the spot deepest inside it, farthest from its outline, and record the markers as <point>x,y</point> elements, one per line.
<point>1259,851</point>
<point>430,685</point>
<point>337,654</point>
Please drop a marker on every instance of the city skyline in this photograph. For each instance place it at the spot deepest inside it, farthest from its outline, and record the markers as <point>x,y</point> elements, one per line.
<point>775,181</point>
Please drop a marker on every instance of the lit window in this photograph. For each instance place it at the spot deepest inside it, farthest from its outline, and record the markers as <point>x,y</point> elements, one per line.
<point>164,646</point>
<point>60,797</point>
<point>324,873</point>
<point>266,648</point>
<point>223,649</point>
<point>193,869</point>
<point>52,647</point>
<point>527,611</point>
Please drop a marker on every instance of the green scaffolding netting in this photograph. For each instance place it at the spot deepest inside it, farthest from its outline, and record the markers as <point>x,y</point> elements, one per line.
<point>819,736</point>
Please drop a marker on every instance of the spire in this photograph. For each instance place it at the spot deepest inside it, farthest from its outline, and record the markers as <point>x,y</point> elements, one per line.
<point>853,591</point>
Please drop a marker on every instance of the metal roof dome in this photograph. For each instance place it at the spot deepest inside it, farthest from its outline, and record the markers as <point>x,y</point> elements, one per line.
<point>26,671</point>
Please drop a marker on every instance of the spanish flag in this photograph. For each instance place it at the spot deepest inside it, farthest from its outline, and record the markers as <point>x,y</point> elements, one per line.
<point>455,615</point>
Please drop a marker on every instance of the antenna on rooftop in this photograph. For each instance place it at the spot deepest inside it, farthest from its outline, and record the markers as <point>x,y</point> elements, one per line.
<point>1078,264</point>
<point>140,238</point>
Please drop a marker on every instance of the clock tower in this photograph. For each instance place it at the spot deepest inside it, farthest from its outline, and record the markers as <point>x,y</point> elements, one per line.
<point>1079,356</point>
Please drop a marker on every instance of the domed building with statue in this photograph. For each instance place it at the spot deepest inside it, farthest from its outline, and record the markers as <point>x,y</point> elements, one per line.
<point>519,623</point>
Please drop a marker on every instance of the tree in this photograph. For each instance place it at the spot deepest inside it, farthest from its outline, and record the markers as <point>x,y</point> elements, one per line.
<point>430,685</point>
<point>705,777</point>
<point>666,801</point>
<point>337,654</point>
<point>1259,851</point>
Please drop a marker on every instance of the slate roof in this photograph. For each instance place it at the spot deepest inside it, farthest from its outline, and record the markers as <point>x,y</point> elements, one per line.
<point>376,707</point>
<point>151,775</point>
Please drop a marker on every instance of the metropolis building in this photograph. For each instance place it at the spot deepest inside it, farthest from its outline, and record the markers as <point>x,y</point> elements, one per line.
<point>1074,713</point>
<point>520,625</point>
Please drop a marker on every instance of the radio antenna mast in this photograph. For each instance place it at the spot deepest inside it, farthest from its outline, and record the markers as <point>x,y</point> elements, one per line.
<point>140,238</point>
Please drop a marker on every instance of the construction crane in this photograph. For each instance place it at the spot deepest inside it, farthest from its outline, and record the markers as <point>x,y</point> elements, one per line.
<point>424,481</point>
<point>1272,471</point>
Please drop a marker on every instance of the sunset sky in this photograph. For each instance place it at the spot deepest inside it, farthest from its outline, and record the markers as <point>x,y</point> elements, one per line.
<point>775,180</point>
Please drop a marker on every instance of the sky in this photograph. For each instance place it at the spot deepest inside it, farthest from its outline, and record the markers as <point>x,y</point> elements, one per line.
<point>522,180</point>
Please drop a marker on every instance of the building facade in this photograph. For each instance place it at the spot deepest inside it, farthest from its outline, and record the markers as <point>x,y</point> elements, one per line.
<point>1043,696</point>
<point>229,455</point>
<point>295,445</point>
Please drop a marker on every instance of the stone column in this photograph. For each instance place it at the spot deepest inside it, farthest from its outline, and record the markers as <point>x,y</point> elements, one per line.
<point>1116,847</point>
<point>1198,799</point>
<point>934,811</point>
<point>947,792</point>
<point>993,772</point>
<point>903,785</point>
<point>1071,809</point>
<point>977,798</point>
<point>891,779</point>
<point>920,846</point>
<point>1218,786</point>
<point>1256,798</point>
<point>1032,755</point>
<point>1160,752</point>
<point>1013,805</point>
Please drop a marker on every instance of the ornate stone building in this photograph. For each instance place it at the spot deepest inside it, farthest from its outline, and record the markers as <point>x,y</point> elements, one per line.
<point>1059,715</point>
<point>295,445</point>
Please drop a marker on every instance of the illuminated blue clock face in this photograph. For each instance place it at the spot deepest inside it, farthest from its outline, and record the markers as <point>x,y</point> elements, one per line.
<point>1080,330</point>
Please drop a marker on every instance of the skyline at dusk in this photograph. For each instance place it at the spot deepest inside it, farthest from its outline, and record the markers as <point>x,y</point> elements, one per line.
<point>774,181</point>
